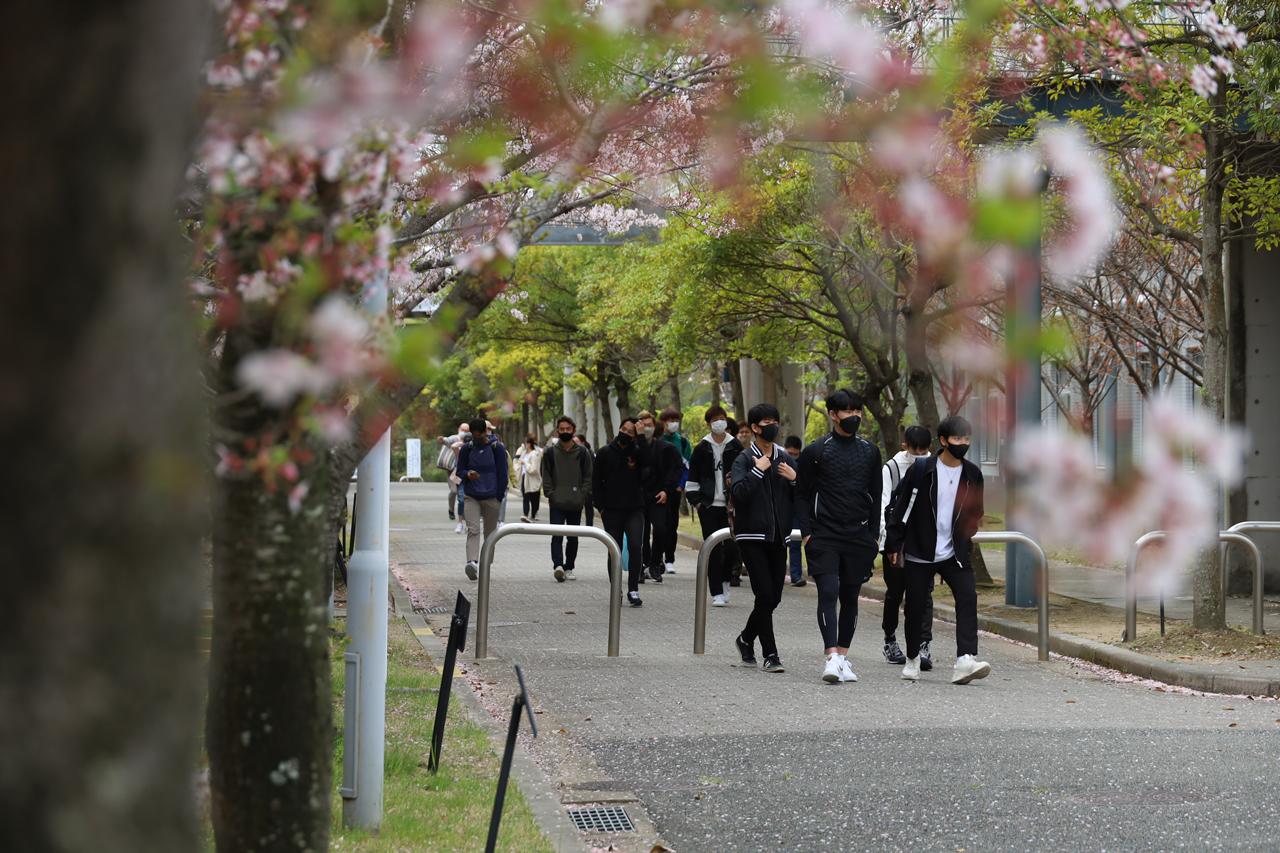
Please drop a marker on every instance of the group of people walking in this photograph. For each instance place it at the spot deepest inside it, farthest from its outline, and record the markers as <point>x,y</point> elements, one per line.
<point>917,511</point>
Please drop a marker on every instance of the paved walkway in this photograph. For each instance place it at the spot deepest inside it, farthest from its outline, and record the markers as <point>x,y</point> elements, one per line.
<point>1037,757</point>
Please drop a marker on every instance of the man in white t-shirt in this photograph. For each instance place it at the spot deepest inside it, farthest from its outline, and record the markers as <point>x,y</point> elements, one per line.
<point>931,527</point>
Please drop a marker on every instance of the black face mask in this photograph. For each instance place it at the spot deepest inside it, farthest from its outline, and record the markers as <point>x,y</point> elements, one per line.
<point>850,424</point>
<point>958,450</point>
<point>566,437</point>
<point>769,432</point>
<point>623,439</point>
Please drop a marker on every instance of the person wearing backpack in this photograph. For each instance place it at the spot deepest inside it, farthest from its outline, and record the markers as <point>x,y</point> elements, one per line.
<point>915,447</point>
<point>566,481</point>
<point>483,466</point>
<point>839,511</point>
<point>931,527</point>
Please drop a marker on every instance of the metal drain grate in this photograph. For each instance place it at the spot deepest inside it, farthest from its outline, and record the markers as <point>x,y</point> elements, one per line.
<point>602,819</point>
<point>431,610</point>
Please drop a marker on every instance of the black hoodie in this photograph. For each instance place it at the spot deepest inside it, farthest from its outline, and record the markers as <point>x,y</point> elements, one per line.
<point>617,479</point>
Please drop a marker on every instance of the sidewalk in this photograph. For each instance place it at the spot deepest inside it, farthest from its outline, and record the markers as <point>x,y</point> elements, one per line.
<point>709,755</point>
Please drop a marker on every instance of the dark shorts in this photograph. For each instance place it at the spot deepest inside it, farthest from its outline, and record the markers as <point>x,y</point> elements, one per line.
<point>853,562</point>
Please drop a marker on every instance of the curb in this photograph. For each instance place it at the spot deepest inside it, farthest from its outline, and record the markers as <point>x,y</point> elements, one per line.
<point>533,784</point>
<point>1201,677</point>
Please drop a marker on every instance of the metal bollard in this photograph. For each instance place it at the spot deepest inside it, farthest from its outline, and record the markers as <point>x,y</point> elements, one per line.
<point>486,559</point>
<point>1224,536</point>
<point>700,594</point>
<point>1042,583</point>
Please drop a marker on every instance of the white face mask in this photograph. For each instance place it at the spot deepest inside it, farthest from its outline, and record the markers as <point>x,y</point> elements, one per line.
<point>673,427</point>
<point>718,427</point>
<point>648,432</point>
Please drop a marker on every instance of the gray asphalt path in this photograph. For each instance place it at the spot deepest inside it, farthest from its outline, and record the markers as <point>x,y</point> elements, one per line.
<point>1037,757</point>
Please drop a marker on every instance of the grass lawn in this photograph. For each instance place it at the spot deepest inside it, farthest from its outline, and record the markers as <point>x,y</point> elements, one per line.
<point>444,811</point>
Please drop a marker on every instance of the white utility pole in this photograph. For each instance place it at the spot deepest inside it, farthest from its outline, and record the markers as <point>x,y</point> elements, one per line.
<point>366,655</point>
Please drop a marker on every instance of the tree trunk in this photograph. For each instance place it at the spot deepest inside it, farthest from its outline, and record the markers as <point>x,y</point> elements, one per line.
<point>602,401</point>
<point>675,393</point>
<point>622,388</point>
<point>269,723</point>
<point>103,500</point>
<point>919,376</point>
<point>1208,608</point>
<point>715,383</point>
<point>981,574</point>
<point>735,383</point>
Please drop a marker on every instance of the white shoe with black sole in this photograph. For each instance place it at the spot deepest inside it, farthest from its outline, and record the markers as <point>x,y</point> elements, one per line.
<point>969,669</point>
<point>831,672</point>
<point>559,573</point>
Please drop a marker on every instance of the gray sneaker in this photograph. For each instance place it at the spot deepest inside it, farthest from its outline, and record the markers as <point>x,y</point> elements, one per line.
<point>569,575</point>
<point>926,657</point>
<point>473,571</point>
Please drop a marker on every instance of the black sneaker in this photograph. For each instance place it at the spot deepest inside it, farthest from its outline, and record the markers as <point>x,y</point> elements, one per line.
<point>735,581</point>
<point>655,574</point>
<point>926,659</point>
<point>772,664</point>
<point>452,517</point>
<point>747,650</point>
<point>800,582</point>
<point>893,652</point>
<point>633,598</point>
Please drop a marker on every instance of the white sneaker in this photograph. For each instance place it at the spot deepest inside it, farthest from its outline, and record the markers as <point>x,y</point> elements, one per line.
<point>846,670</point>
<point>569,575</point>
<point>911,671</point>
<point>725,589</point>
<point>472,570</point>
<point>671,568</point>
<point>461,527</point>
<point>500,523</point>
<point>968,669</point>
<point>526,519</point>
<point>718,601</point>
<point>559,574</point>
<point>831,672</point>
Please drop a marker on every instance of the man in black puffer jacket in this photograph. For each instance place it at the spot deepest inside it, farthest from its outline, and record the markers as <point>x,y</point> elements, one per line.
<point>763,488</point>
<point>839,510</point>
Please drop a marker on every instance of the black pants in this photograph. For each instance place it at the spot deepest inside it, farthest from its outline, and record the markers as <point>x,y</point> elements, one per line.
<point>673,527</point>
<point>960,579</point>
<point>837,631</point>
<point>590,510</point>
<point>895,581</point>
<point>566,557</point>
<point>630,522</point>
<point>724,555</point>
<point>532,500</point>
<point>766,564</point>
<point>657,522</point>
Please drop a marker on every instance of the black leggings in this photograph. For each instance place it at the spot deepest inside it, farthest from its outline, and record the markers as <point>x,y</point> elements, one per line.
<point>532,500</point>
<point>830,590</point>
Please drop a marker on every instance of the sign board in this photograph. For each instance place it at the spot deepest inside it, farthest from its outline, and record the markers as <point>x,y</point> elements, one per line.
<point>413,458</point>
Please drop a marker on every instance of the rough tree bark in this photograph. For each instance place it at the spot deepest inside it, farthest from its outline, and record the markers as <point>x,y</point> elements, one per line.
<point>101,510</point>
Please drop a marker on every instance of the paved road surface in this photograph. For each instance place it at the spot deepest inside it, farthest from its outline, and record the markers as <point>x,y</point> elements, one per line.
<point>1037,757</point>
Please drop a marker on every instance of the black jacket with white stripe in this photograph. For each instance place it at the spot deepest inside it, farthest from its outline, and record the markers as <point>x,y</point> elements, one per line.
<point>913,519</point>
<point>763,501</point>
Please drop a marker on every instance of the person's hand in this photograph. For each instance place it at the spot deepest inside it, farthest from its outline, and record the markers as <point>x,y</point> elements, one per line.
<point>472,475</point>
<point>805,541</point>
<point>661,498</point>
<point>762,463</point>
<point>894,558</point>
<point>679,488</point>
<point>787,472</point>
<point>440,438</point>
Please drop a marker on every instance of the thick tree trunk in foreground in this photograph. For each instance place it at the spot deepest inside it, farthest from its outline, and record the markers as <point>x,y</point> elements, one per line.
<point>269,722</point>
<point>100,414</point>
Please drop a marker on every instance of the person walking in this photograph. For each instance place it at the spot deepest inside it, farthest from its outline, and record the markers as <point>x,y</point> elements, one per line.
<point>763,488</point>
<point>456,488</point>
<point>839,514</point>
<point>937,511</point>
<point>662,476</point>
<point>711,461</point>
<point>482,466</point>
<point>617,489</point>
<point>566,481</point>
<point>529,477</point>
<point>671,418</point>
<point>793,445</point>
<point>915,447</point>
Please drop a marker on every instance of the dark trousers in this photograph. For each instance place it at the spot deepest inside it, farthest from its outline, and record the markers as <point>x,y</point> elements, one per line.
<point>590,510</point>
<point>657,522</point>
<point>673,527</point>
<point>565,557</point>
<point>532,500</point>
<point>895,581</point>
<point>724,555</point>
<point>766,564</point>
<point>628,522</point>
<point>960,579</point>
<point>797,567</point>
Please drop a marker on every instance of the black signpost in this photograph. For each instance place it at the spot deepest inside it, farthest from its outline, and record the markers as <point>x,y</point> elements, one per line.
<point>521,701</point>
<point>457,642</point>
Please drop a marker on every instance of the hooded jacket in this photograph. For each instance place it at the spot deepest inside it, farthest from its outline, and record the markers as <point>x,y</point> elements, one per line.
<point>913,520</point>
<point>763,501</point>
<point>664,471</point>
<point>616,481</point>
<point>703,474</point>
<point>490,462</point>
<point>566,476</point>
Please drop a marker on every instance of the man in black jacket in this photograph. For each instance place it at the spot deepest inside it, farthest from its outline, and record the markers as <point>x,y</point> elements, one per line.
<point>763,487</point>
<point>712,459</point>
<point>662,476</point>
<point>931,527</point>
<point>618,494</point>
<point>839,513</point>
